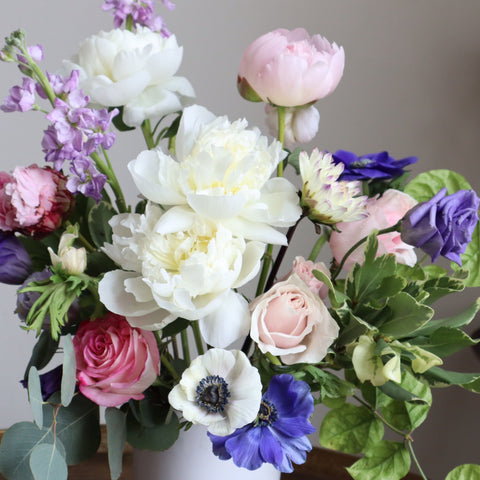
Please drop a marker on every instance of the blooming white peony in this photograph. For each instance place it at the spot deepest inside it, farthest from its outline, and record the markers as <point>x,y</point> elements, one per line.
<point>176,264</point>
<point>135,70</point>
<point>223,173</point>
<point>220,389</point>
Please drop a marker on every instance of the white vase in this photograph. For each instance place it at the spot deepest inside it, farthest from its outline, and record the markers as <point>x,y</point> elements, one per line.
<point>191,458</point>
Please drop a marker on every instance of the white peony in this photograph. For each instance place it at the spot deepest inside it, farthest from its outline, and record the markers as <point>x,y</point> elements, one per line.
<point>135,70</point>
<point>220,389</point>
<point>176,264</point>
<point>223,173</point>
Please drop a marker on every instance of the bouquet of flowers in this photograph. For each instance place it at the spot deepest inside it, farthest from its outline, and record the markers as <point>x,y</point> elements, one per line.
<point>143,308</point>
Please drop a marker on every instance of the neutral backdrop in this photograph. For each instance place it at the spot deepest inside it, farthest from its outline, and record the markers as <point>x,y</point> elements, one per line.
<point>411,86</point>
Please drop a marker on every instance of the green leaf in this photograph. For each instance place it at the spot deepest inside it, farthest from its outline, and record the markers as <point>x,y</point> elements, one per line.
<point>408,315</point>
<point>350,428</point>
<point>423,187</point>
<point>35,396</point>
<point>438,377</point>
<point>158,437</point>
<point>116,437</point>
<point>468,471</point>
<point>175,327</point>
<point>459,320</point>
<point>98,217</point>
<point>355,327</point>
<point>117,120</point>
<point>78,427</point>
<point>69,371</point>
<point>42,352</point>
<point>331,386</point>
<point>386,460</point>
<point>471,260</point>
<point>441,286</point>
<point>445,341</point>
<point>17,444</point>
<point>293,159</point>
<point>47,462</point>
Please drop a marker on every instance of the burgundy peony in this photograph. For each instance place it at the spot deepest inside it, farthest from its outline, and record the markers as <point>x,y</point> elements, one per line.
<point>443,225</point>
<point>33,201</point>
<point>115,362</point>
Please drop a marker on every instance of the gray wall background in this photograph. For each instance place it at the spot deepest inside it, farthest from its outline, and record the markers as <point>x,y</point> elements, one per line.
<point>411,86</point>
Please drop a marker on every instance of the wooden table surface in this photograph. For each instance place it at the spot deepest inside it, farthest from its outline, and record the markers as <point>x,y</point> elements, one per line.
<point>321,465</point>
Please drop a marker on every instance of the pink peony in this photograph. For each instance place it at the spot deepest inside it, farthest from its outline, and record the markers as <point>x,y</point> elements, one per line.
<point>290,68</point>
<point>33,201</point>
<point>290,321</point>
<point>115,362</point>
<point>383,212</point>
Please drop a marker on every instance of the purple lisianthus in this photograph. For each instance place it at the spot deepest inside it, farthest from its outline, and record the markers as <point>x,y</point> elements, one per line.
<point>50,382</point>
<point>443,225</point>
<point>279,433</point>
<point>373,166</point>
<point>15,262</point>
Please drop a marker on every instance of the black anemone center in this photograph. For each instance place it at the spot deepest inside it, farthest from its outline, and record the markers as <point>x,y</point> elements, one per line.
<point>267,414</point>
<point>212,393</point>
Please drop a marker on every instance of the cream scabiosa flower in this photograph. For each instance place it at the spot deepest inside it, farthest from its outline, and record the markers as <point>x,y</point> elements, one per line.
<point>220,390</point>
<point>222,172</point>
<point>326,199</point>
<point>177,264</point>
<point>135,70</point>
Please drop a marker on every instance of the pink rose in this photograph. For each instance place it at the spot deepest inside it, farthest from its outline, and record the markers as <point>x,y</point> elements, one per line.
<point>383,212</point>
<point>304,269</point>
<point>115,362</point>
<point>292,322</point>
<point>290,68</point>
<point>33,201</point>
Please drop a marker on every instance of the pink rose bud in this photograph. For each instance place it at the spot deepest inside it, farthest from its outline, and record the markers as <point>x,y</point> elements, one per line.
<point>383,212</point>
<point>290,68</point>
<point>304,269</point>
<point>34,201</point>
<point>301,124</point>
<point>291,321</point>
<point>115,362</point>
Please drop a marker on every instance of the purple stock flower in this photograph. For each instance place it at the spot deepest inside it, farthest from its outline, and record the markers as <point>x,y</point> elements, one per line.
<point>21,99</point>
<point>142,13</point>
<point>443,225</point>
<point>373,166</point>
<point>279,433</point>
<point>15,262</point>
<point>86,178</point>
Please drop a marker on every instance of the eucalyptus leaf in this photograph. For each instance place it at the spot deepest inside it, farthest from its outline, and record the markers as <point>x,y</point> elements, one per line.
<point>468,471</point>
<point>69,370</point>
<point>427,184</point>
<point>35,396</point>
<point>42,352</point>
<point>384,460</point>
<point>116,438</point>
<point>17,444</point>
<point>77,426</point>
<point>350,428</point>
<point>47,462</point>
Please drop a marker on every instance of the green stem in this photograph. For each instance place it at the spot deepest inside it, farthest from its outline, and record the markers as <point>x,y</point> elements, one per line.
<point>147,134</point>
<point>273,359</point>
<point>171,144</point>
<point>198,337</point>
<point>317,247</point>
<point>86,243</point>
<point>185,346</point>
<point>393,228</point>
<point>267,260</point>
<point>417,463</point>
<point>129,23</point>
<point>281,135</point>
<point>166,363</point>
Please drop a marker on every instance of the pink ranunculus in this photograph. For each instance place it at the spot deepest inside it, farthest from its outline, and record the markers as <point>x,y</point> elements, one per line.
<point>291,321</point>
<point>383,212</point>
<point>290,68</point>
<point>115,362</point>
<point>33,201</point>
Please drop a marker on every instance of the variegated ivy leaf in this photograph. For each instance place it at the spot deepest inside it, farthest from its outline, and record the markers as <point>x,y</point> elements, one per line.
<point>423,360</point>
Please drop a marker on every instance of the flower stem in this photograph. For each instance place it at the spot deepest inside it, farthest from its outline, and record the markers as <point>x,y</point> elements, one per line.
<point>317,247</point>
<point>147,134</point>
<point>166,363</point>
<point>185,346</point>
<point>198,337</point>
<point>417,463</point>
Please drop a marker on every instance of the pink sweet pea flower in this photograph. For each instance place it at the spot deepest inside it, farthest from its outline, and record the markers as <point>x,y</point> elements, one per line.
<point>290,68</point>
<point>33,201</point>
<point>383,212</point>
<point>115,362</point>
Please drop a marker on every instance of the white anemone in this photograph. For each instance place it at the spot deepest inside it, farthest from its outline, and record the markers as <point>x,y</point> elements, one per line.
<point>176,264</point>
<point>135,70</point>
<point>222,172</point>
<point>220,390</point>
